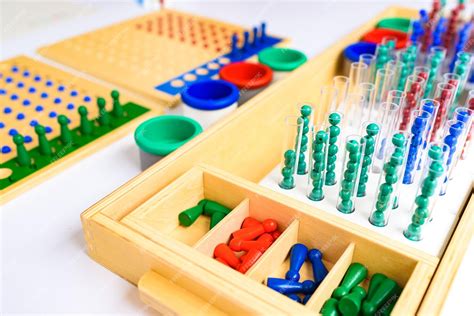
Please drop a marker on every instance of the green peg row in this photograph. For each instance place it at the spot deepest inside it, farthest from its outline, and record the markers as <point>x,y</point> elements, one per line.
<point>334,131</point>
<point>215,210</point>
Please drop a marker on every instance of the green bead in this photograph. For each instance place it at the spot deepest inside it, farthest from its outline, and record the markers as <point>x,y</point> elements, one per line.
<point>386,189</point>
<point>287,172</point>
<point>290,155</point>
<point>317,147</point>
<point>367,161</point>
<point>369,150</point>
<point>346,206</point>
<point>396,159</point>
<point>436,169</point>
<point>391,178</point>
<point>348,175</point>
<point>355,156</point>
<point>345,194</point>
<point>435,152</point>
<point>361,190</point>
<point>377,218</point>
<point>413,232</point>
<point>422,201</point>
<point>383,198</point>
<point>316,195</point>
<point>372,129</point>
<point>429,186</point>
<point>331,167</point>
<point>332,150</point>
<point>347,185</point>
<point>334,118</point>
<point>351,166</point>
<point>332,159</point>
<point>334,131</point>
<point>422,212</point>
<point>318,156</point>
<point>389,169</point>
<point>380,205</point>
<point>306,110</point>
<point>287,183</point>
<point>352,146</point>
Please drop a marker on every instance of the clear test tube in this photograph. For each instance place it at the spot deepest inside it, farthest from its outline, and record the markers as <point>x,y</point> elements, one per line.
<point>293,128</point>
<point>369,60</point>
<point>370,130</point>
<point>383,84</point>
<point>431,106</point>
<point>319,152</point>
<point>367,90</point>
<point>452,137</point>
<point>305,110</point>
<point>462,67</point>
<point>334,131</point>
<point>354,149</point>
<point>423,72</point>
<point>428,190</point>
<point>354,103</point>
<point>388,121</point>
<point>340,85</point>
<point>465,116</point>
<point>397,97</point>
<point>452,79</point>
<point>398,68</point>
<point>444,94</point>
<point>419,126</point>
<point>357,74</point>
<point>326,99</point>
<point>435,62</point>
<point>390,179</point>
<point>414,92</point>
<point>467,143</point>
<point>441,52</point>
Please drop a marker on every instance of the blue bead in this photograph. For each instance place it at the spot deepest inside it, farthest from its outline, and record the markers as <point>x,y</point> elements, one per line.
<point>44,95</point>
<point>49,83</point>
<point>20,116</point>
<point>61,88</point>
<point>37,78</point>
<point>87,99</point>
<point>14,69</point>
<point>12,132</point>
<point>57,100</point>
<point>52,114</point>
<point>8,79</point>
<point>6,149</point>
<point>28,139</point>
<point>3,91</point>
<point>73,93</point>
<point>32,90</point>
<point>33,123</point>
<point>48,129</point>
<point>14,97</point>
<point>7,110</point>
<point>70,106</point>
<point>20,84</point>
<point>39,108</point>
<point>26,73</point>
<point>456,129</point>
<point>26,102</point>
<point>2,125</point>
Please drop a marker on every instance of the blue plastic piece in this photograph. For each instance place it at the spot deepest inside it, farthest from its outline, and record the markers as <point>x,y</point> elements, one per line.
<point>288,287</point>
<point>26,102</point>
<point>20,84</point>
<point>28,139</point>
<point>294,297</point>
<point>49,83</point>
<point>87,99</point>
<point>39,108</point>
<point>7,110</point>
<point>246,41</point>
<point>73,93</point>
<point>306,298</point>
<point>353,51</point>
<point>61,88</point>
<point>255,38</point>
<point>32,90</point>
<point>2,125</point>
<point>6,149</point>
<point>14,97</point>
<point>48,129</point>
<point>37,78</point>
<point>3,91</point>
<point>209,95</point>
<point>26,73</point>
<point>12,132</point>
<point>20,116</point>
<point>52,114</point>
<point>70,106</point>
<point>14,69</point>
<point>319,270</point>
<point>8,79</point>
<point>44,95</point>
<point>298,255</point>
<point>414,152</point>
<point>33,123</point>
<point>57,100</point>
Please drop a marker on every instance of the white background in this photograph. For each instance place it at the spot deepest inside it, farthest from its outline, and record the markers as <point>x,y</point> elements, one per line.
<point>44,266</point>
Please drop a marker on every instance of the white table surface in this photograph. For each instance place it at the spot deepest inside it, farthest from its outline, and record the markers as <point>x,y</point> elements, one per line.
<point>44,265</point>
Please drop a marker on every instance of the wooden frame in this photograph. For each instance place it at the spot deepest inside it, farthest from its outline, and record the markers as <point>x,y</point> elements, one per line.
<point>237,153</point>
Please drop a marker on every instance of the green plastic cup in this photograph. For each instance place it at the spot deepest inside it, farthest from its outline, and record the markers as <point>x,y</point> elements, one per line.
<point>281,60</point>
<point>161,135</point>
<point>398,24</point>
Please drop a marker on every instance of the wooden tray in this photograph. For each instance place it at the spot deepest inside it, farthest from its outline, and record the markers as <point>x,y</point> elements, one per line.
<point>134,231</point>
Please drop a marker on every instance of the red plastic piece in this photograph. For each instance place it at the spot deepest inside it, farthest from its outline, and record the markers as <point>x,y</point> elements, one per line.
<point>247,75</point>
<point>224,252</point>
<point>222,261</point>
<point>250,233</point>
<point>249,222</point>
<point>376,36</point>
<point>250,258</point>
<point>276,234</point>
<point>262,243</point>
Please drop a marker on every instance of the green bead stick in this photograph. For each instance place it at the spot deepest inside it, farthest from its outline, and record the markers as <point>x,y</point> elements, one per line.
<point>288,181</point>
<point>404,73</point>
<point>387,193</point>
<point>190,215</point>
<point>330,308</point>
<point>43,143</point>
<point>350,304</point>
<point>372,130</point>
<point>435,61</point>
<point>86,124</point>
<point>317,172</point>
<point>429,184</point>
<point>305,117</point>
<point>375,281</point>
<point>461,68</point>
<point>354,149</point>
<point>355,274</point>
<point>334,131</point>
<point>382,56</point>
<point>117,110</point>
<point>22,156</point>
<point>66,135</point>
<point>386,289</point>
<point>104,117</point>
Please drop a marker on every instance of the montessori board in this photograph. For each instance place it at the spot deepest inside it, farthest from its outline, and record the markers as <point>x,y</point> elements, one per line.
<point>160,53</point>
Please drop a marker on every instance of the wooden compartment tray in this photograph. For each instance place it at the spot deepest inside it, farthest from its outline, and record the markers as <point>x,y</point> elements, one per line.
<point>135,233</point>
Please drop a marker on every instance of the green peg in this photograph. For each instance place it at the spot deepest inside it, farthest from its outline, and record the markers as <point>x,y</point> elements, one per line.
<point>22,155</point>
<point>44,146</point>
<point>375,281</point>
<point>104,117</point>
<point>330,308</point>
<point>86,125</point>
<point>355,274</point>
<point>216,217</point>
<point>386,289</point>
<point>117,109</point>
<point>350,304</point>
<point>66,136</point>
<point>190,215</point>
<point>210,207</point>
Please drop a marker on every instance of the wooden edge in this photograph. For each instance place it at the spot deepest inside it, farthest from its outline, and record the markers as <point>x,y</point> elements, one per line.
<point>444,276</point>
<point>332,280</point>
<point>167,297</point>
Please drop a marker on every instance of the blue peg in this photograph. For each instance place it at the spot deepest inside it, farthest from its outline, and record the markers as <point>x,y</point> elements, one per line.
<point>298,255</point>
<point>245,46</point>
<point>319,270</point>
<point>288,287</point>
<point>263,32</point>
<point>255,36</point>
<point>234,48</point>
<point>294,297</point>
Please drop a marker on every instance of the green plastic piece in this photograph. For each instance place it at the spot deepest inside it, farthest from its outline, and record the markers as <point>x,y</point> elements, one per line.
<point>66,135</point>
<point>43,143</point>
<point>334,131</point>
<point>189,216</point>
<point>346,203</point>
<point>210,207</point>
<point>398,24</point>
<point>281,59</point>
<point>305,117</point>
<point>355,274</point>
<point>216,217</point>
<point>23,158</point>
<point>317,172</point>
<point>350,304</point>
<point>372,130</point>
<point>288,181</point>
<point>330,308</point>
<point>375,281</point>
<point>117,110</point>
<point>164,134</point>
<point>86,124</point>
<point>104,116</point>
<point>386,289</point>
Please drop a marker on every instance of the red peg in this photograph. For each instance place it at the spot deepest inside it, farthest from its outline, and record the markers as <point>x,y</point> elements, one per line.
<point>222,261</point>
<point>250,233</point>
<point>262,243</point>
<point>224,252</point>
<point>250,258</point>
<point>250,222</point>
<point>276,234</point>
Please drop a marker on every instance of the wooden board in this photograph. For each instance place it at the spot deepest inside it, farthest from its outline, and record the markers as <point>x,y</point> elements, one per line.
<point>157,54</point>
<point>235,162</point>
<point>33,93</point>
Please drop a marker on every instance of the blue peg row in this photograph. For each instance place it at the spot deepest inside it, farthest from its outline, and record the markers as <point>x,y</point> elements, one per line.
<point>290,287</point>
<point>259,36</point>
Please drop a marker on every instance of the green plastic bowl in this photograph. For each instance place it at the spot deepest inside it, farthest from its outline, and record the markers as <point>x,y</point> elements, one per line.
<point>281,59</point>
<point>399,24</point>
<point>164,134</point>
